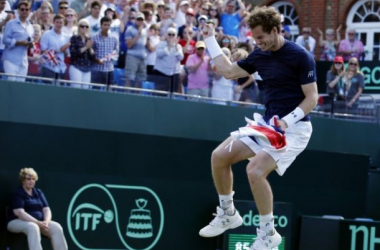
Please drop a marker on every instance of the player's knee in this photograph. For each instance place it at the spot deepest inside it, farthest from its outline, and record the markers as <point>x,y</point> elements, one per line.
<point>218,157</point>
<point>254,172</point>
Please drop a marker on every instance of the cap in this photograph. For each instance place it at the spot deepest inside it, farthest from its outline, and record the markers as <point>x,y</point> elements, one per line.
<point>338,59</point>
<point>160,3</point>
<point>140,15</point>
<point>190,11</point>
<point>200,44</point>
<point>150,2</point>
<point>111,7</point>
<point>329,32</point>
<point>202,17</point>
<point>184,3</point>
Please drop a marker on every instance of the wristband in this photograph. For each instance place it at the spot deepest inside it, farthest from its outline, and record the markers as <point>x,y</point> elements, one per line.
<point>293,117</point>
<point>213,47</point>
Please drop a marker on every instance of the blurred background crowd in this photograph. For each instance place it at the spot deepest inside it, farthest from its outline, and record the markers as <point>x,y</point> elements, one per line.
<point>143,44</point>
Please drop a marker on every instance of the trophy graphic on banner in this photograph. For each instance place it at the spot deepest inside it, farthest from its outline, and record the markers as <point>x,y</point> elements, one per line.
<point>140,221</point>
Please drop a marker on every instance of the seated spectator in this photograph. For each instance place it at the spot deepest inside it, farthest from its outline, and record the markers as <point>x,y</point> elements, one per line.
<point>31,214</point>
<point>198,67</point>
<point>354,80</point>
<point>45,21</point>
<point>17,39</point>
<point>168,61</point>
<point>34,53</point>
<point>54,44</point>
<point>82,55</point>
<point>306,40</point>
<point>106,48</point>
<point>351,46</point>
<point>329,45</point>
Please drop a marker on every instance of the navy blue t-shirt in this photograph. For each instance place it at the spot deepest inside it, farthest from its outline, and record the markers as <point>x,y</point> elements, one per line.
<point>283,72</point>
<point>32,205</point>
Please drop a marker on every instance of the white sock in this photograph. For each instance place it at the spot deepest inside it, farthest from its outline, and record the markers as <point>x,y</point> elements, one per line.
<point>227,203</point>
<point>267,223</point>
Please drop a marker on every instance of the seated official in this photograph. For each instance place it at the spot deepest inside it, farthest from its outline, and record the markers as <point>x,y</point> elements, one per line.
<point>31,214</point>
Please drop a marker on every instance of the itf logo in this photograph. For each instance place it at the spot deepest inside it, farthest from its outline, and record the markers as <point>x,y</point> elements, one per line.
<point>115,217</point>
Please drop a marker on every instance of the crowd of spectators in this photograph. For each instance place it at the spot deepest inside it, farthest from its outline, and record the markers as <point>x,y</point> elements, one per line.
<point>159,42</point>
<point>149,41</point>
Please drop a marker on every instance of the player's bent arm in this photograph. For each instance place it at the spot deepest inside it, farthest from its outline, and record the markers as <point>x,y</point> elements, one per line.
<point>311,97</point>
<point>227,69</point>
<point>309,102</point>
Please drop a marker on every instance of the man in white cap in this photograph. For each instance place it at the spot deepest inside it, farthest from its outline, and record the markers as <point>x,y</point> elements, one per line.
<point>182,8</point>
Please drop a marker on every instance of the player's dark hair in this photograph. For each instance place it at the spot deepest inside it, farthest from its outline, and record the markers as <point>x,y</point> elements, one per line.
<point>266,17</point>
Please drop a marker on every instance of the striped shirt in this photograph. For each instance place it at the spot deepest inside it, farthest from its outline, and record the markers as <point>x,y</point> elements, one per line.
<point>104,47</point>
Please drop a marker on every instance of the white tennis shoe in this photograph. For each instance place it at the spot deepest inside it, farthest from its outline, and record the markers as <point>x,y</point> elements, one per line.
<point>264,241</point>
<point>221,223</point>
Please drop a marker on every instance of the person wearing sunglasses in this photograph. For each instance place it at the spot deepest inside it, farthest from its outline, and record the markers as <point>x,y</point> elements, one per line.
<point>82,55</point>
<point>335,87</point>
<point>168,62</point>
<point>351,46</point>
<point>63,6</point>
<point>17,38</point>
<point>70,24</point>
<point>354,80</point>
<point>306,40</point>
<point>30,214</point>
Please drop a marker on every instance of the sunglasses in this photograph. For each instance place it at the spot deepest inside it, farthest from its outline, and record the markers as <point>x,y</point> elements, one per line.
<point>171,34</point>
<point>84,26</point>
<point>226,41</point>
<point>26,9</point>
<point>63,8</point>
<point>305,32</point>
<point>140,19</point>
<point>338,63</point>
<point>355,64</point>
<point>204,9</point>
<point>200,48</point>
<point>214,9</point>
<point>69,15</point>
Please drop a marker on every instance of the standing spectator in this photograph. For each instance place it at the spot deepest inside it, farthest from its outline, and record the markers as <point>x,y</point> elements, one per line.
<point>306,40</point>
<point>45,21</point>
<point>198,66</point>
<point>80,7</point>
<point>63,6</point>
<point>190,14</point>
<point>230,19</point>
<point>106,47</point>
<point>148,18</point>
<point>202,19</point>
<point>214,15</point>
<point>34,53</point>
<point>94,17</point>
<point>53,41</point>
<point>222,88</point>
<point>226,42</point>
<point>188,48</point>
<point>135,65</point>
<point>70,28</point>
<point>160,11</point>
<point>329,45</point>
<point>4,18</point>
<point>351,47</point>
<point>115,24</point>
<point>151,45</point>
<point>182,8</point>
<point>167,66</point>
<point>31,214</point>
<point>82,54</point>
<point>167,21</point>
<point>128,19</point>
<point>149,6</point>
<point>354,80</point>
<point>335,79</point>
<point>17,39</point>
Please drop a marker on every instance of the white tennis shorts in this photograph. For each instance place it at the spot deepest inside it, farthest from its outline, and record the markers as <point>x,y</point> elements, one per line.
<point>297,138</point>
